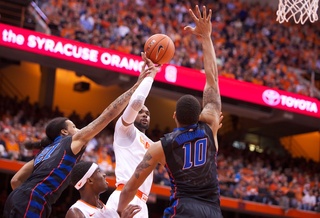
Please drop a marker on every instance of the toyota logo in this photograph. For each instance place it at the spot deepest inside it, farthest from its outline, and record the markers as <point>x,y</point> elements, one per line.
<point>271,97</point>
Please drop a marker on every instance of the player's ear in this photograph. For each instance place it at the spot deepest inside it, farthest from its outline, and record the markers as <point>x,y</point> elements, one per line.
<point>89,180</point>
<point>64,132</point>
<point>174,115</point>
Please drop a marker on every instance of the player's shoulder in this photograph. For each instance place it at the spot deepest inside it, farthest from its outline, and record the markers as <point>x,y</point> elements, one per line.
<point>122,127</point>
<point>74,212</point>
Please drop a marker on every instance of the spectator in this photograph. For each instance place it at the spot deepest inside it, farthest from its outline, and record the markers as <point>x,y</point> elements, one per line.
<point>12,145</point>
<point>308,201</point>
<point>87,22</point>
<point>161,176</point>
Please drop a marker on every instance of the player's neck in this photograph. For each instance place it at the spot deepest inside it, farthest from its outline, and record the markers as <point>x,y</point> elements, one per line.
<point>92,200</point>
<point>141,130</point>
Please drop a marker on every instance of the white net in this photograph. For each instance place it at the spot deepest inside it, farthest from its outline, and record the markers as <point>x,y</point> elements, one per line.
<point>299,10</point>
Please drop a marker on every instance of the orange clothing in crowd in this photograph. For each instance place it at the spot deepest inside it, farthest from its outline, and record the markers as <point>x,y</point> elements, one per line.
<point>11,145</point>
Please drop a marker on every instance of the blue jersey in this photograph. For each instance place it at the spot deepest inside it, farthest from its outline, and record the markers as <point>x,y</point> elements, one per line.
<point>191,163</point>
<point>50,177</point>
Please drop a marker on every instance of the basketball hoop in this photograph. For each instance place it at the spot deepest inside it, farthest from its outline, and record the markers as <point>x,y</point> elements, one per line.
<point>299,10</point>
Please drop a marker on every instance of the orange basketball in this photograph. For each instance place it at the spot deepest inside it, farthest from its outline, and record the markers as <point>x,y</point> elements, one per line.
<point>159,48</point>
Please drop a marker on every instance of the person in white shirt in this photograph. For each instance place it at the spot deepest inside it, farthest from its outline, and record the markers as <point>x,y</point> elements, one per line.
<point>308,200</point>
<point>90,181</point>
<point>130,143</point>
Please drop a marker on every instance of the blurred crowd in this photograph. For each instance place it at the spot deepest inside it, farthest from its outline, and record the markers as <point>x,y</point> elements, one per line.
<point>250,44</point>
<point>269,178</point>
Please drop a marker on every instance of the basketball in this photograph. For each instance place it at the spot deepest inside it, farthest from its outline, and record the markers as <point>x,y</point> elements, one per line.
<point>159,48</point>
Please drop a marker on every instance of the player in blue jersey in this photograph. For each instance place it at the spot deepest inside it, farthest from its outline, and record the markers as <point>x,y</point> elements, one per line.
<point>40,182</point>
<point>189,152</point>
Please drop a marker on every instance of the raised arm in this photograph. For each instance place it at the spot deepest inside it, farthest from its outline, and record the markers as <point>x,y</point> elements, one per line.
<point>211,94</point>
<point>141,93</point>
<point>110,113</point>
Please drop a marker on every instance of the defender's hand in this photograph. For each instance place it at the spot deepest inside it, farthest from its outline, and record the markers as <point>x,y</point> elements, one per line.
<point>203,22</point>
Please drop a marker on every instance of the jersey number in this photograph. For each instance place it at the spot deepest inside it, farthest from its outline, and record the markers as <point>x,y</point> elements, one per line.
<point>198,157</point>
<point>45,154</point>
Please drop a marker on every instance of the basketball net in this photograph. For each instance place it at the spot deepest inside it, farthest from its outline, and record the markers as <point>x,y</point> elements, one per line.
<point>299,10</point>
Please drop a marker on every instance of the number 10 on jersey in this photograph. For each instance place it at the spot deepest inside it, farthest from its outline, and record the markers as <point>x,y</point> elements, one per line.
<point>197,156</point>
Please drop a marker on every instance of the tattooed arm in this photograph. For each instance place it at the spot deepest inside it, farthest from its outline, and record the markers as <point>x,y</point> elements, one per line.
<point>151,159</point>
<point>111,112</point>
<point>211,94</point>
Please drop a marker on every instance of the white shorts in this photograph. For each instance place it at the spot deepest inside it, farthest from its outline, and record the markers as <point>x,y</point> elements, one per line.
<point>114,200</point>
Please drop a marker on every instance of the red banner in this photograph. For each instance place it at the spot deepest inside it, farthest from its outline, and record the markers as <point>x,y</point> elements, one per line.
<point>82,53</point>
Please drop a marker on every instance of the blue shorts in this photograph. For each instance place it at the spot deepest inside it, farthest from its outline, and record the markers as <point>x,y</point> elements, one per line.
<point>189,207</point>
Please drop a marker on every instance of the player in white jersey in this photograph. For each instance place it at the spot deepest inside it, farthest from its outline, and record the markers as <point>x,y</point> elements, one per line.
<point>91,181</point>
<point>130,144</point>
<point>87,210</point>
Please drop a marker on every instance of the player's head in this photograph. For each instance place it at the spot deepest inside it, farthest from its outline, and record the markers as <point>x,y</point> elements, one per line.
<point>60,126</point>
<point>88,176</point>
<point>188,110</point>
<point>142,121</point>
<point>56,127</point>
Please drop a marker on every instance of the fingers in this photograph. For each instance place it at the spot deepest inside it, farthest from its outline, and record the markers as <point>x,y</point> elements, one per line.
<point>156,68</point>
<point>188,29</point>
<point>143,66</point>
<point>204,13</point>
<point>204,9</point>
<point>209,16</point>
<point>199,15</point>
<point>151,71</point>
<point>133,209</point>
<point>193,16</point>
<point>198,12</point>
<point>146,60</point>
<point>143,55</point>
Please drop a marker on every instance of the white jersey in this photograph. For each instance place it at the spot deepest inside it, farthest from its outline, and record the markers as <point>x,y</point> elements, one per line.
<point>90,211</point>
<point>130,146</point>
<point>128,157</point>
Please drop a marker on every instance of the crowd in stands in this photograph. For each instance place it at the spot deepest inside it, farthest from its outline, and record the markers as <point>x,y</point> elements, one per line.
<point>250,44</point>
<point>269,178</point>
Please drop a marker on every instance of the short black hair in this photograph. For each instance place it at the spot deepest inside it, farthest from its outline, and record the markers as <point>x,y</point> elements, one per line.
<point>54,127</point>
<point>188,110</point>
<point>53,130</point>
<point>79,170</point>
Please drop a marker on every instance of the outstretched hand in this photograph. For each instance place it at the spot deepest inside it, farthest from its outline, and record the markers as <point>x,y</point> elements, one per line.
<point>203,22</point>
<point>148,68</point>
<point>130,211</point>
